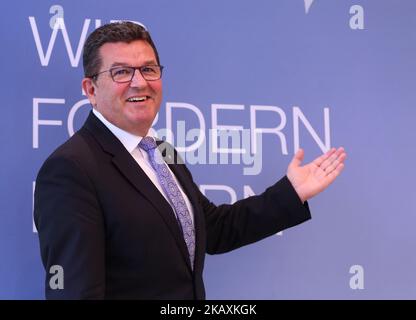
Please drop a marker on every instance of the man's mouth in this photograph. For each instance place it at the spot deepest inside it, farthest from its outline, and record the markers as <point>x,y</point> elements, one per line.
<point>138,99</point>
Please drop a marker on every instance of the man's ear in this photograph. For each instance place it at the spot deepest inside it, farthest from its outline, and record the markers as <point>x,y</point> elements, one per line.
<point>90,88</point>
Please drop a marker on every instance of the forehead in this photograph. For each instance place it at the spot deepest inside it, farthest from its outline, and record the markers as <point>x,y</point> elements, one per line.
<point>135,53</point>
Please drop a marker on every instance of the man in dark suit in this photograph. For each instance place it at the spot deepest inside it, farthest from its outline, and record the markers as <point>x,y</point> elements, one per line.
<point>117,219</point>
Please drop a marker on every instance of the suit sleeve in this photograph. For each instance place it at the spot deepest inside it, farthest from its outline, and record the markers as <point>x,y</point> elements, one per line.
<point>71,230</point>
<point>249,220</point>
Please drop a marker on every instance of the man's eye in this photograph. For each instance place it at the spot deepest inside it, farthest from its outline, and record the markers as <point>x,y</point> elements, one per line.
<point>149,70</point>
<point>121,71</point>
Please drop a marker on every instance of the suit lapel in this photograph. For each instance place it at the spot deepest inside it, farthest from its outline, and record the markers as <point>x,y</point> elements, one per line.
<point>131,171</point>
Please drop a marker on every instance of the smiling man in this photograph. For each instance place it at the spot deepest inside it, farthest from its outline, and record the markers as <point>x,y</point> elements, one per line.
<point>127,96</point>
<point>119,221</point>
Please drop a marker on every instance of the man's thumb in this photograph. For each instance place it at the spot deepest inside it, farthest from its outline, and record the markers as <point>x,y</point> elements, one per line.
<point>297,158</point>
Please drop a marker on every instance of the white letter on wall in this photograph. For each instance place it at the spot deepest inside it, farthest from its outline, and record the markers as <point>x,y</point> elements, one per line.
<point>169,137</point>
<point>37,122</point>
<point>298,115</point>
<point>275,130</point>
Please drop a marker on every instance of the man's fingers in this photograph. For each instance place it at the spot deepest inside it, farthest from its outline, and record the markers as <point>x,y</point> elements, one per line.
<point>330,162</point>
<point>335,173</point>
<point>338,155</point>
<point>318,161</point>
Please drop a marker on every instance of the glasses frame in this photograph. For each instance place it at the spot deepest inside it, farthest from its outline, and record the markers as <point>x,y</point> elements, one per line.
<point>95,76</point>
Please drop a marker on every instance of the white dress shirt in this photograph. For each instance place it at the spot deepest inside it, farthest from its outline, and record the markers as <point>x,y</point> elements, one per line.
<point>131,143</point>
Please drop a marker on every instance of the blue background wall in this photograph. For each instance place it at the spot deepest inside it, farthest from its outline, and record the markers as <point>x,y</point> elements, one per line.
<point>351,60</point>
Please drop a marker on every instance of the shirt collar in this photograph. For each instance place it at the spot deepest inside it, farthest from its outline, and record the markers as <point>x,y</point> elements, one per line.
<point>129,141</point>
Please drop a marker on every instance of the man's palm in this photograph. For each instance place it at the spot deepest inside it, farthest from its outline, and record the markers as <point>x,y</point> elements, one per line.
<point>316,176</point>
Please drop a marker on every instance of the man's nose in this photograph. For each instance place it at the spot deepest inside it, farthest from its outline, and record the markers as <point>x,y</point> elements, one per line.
<point>138,80</point>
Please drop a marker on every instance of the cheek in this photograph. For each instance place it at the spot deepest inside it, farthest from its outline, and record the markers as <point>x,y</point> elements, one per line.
<point>119,92</point>
<point>111,100</point>
<point>157,87</point>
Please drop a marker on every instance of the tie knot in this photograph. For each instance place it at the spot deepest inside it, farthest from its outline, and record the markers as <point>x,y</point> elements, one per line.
<point>147,143</point>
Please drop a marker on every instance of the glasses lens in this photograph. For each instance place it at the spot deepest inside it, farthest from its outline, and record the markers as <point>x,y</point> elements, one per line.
<point>122,74</point>
<point>125,74</point>
<point>151,72</point>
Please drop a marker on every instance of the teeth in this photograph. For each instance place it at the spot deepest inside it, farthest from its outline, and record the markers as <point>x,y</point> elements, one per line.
<point>137,99</point>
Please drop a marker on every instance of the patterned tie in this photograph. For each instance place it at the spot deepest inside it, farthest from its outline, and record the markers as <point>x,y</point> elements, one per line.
<point>174,195</point>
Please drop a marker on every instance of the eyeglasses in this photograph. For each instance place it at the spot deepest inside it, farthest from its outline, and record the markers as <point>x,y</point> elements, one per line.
<point>126,74</point>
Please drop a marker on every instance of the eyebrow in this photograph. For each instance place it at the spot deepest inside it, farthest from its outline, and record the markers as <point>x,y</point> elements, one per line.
<point>123,64</point>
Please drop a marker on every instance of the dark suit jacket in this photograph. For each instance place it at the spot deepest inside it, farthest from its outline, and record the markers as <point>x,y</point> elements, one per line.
<point>100,217</point>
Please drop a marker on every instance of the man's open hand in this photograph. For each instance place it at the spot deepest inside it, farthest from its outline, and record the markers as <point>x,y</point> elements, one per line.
<point>316,176</point>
